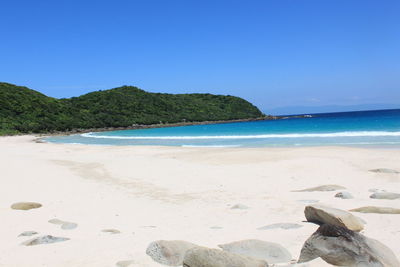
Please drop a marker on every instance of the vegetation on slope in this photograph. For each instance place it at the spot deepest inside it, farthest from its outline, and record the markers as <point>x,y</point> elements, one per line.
<point>25,110</point>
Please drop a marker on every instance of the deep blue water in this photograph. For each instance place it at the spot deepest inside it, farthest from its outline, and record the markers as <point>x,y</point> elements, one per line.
<point>361,128</point>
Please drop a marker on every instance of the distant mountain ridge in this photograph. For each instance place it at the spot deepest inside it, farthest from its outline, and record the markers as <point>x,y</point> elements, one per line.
<point>294,110</point>
<point>25,110</point>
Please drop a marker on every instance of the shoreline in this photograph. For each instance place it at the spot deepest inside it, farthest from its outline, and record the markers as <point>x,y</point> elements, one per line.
<point>163,125</point>
<point>150,126</point>
<point>39,139</point>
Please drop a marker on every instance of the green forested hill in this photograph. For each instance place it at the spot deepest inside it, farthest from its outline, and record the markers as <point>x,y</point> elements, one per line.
<point>25,110</point>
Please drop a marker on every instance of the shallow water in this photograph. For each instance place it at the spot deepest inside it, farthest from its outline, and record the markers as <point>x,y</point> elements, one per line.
<point>363,128</point>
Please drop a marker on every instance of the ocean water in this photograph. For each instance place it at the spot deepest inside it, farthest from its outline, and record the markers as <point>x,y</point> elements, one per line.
<point>363,128</point>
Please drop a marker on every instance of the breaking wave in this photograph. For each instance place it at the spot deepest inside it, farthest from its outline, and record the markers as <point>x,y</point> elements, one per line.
<point>258,136</point>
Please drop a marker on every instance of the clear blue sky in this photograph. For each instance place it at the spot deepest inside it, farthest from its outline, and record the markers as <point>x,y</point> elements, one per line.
<point>274,53</point>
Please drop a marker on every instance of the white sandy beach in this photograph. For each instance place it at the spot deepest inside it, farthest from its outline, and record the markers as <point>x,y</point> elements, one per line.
<point>173,193</point>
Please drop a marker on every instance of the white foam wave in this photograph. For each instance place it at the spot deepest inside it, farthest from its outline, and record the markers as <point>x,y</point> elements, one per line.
<point>259,136</point>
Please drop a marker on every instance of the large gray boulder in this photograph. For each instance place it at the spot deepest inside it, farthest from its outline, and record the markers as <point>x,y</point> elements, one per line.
<point>169,252</point>
<point>322,214</point>
<point>322,188</point>
<point>380,210</point>
<point>385,195</point>
<point>206,257</point>
<point>342,247</point>
<point>262,250</point>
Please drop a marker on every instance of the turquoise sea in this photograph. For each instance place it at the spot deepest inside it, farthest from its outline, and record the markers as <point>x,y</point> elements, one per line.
<point>362,128</point>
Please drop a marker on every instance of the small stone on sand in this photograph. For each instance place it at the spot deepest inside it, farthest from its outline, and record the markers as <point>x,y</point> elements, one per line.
<point>68,226</point>
<point>56,221</point>
<point>28,233</point>
<point>322,188</point>
<point>64,225</point>
<point>344,195</point>
<point>384,170</point>
<point>374,190</point>
<point>239,207</point>
<point>25,205</point>
<point>124,263</point>
<point>379,210</point>
<point>111,231</point>
<point>47,239</point>
<point>385,195</point>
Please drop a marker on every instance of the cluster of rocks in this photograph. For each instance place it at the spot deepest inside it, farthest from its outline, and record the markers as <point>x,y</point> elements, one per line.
<point>337,241</point>
<point>48,239</point>
<point>340,246</point>
<point>45,239</point>
<point>244,253</point>
<point>377,194</point>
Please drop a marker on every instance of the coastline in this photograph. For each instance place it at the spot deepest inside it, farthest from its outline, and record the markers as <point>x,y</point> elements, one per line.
<point>163,125</point>
<point>150,126</point>
<point>150,193</point>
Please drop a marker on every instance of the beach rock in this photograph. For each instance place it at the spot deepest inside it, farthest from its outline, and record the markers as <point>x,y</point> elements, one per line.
<point>68,226</point>
<point>28,233</point>
<point>384,170</point>
<point>375,190</point>
<point>344,195</point>
<point>380,210</point>
<point>56,221</point>
<point>322,188</point>
<point>239,207</point>
<point>206,257</point>
<point>111,231</point>
<point>285,226</point>
<point>25,205</point>
<point>257,249</point>
<point>169,252</point>
<point>322,214</point>
<point>47,239</point>
<point>385,195</point>
<point>342,247</point>
<point>124,263</point>
<point>64,225</point>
